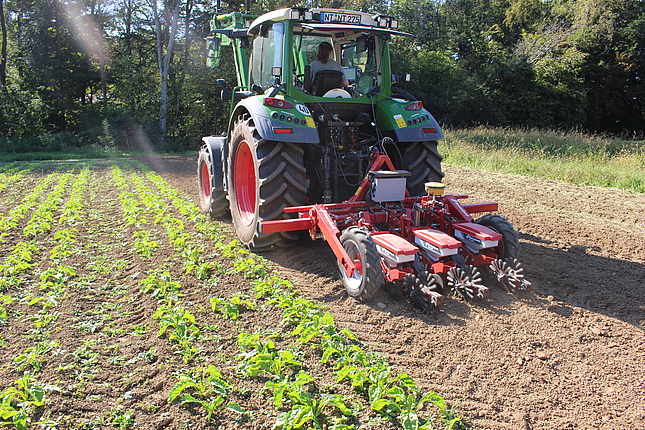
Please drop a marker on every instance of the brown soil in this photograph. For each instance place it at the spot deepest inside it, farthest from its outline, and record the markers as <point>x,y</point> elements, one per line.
<point>569,354</point>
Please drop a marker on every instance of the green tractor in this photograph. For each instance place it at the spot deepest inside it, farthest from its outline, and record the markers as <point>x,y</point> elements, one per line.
<point>299,138</point>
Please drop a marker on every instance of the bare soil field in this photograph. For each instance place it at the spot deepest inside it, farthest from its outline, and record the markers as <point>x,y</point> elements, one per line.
<point>568,354</point>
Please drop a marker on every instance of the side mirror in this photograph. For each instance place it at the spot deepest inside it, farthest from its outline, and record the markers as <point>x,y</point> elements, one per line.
<point>225,94</point>
<point>212,56</point>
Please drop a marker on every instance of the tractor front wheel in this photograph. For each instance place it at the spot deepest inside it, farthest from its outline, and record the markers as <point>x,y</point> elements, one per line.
<point>423,161</point>
<point>368,276</point>
<point>211,201</point>
<point>264,177</point>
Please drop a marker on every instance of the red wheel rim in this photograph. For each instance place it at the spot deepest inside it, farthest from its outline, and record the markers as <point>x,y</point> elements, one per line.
<point>206,181</point>
<point>245,182</point>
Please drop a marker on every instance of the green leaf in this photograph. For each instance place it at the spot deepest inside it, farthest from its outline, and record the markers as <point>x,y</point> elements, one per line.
<point>278,392</point>
<point>235,408</point>
<point>328,353</point>
<point>337,400</point>
<point>178,388</point>
<point>189,398</point>
<point>380,404</point>
<point>410,421</point>
<point>436,399</point>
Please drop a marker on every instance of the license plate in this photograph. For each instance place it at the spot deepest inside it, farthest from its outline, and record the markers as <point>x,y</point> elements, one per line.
<point>341,17</point>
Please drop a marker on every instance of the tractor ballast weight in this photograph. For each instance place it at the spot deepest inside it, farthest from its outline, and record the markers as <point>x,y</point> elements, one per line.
<point>354,165</point>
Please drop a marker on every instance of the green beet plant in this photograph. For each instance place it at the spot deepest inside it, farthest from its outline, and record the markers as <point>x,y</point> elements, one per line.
<point>204,386</point>
<point>20,402</point>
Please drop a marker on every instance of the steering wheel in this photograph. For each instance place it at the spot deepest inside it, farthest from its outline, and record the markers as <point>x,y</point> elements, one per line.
<point>299,81</point>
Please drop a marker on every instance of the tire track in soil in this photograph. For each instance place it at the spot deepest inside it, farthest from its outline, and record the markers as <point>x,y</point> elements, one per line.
<point>570,354</point>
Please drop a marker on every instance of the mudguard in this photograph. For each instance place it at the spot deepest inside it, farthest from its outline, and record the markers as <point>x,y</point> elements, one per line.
<point>216,147</point>
<point>407,126</point>
<point>265,126</point>
<point>418,133</point>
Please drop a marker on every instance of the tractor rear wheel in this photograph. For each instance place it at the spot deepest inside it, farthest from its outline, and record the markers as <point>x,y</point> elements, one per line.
<point>368,275</point>
<point>211,201</point>
<point>264,177</point>
<point>423,161</point>
<point>510,244</point>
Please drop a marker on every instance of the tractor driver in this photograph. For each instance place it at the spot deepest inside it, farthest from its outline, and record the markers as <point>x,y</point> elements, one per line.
<point>325,62</point>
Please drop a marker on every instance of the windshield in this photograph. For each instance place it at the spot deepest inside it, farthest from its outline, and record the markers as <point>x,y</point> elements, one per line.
<point>355,51</point>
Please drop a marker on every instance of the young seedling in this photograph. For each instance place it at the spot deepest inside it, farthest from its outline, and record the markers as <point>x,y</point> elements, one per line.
<point>20,402</point>
<point>206,387</point>
<point>307,405</point>
<point>231,308</point>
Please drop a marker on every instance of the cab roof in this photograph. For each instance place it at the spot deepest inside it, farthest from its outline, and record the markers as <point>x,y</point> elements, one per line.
<point>329,20</point>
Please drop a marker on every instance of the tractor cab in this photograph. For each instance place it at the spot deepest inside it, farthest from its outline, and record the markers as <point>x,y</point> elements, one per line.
<point>286,43</point>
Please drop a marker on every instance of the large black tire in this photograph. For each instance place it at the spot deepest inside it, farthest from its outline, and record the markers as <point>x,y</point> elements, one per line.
<point>368,277</point>
<point>510,244</point>
<point>423,161</point>
<point>211,201</point>
<point>263,177</point>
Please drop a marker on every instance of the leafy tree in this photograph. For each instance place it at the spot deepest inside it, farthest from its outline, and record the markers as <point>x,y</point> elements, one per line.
<point>3,48</point>
<point>129,72</point>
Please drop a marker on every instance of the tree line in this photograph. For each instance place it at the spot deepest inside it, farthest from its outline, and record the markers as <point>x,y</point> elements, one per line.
<point>132,73</point>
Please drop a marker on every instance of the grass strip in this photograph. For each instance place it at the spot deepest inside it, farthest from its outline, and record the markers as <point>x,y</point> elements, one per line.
<point>569,157</point>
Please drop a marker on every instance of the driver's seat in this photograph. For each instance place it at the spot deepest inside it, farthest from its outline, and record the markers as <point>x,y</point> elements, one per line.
<point>326,80</point>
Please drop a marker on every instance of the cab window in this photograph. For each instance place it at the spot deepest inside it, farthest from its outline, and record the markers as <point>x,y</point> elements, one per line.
<point>266,54</point>
<point>359,60</point>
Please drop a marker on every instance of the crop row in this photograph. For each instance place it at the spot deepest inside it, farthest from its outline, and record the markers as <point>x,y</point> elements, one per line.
<point>21,400</point>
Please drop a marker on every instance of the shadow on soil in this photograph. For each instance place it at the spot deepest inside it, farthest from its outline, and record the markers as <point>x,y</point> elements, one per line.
<point>571,276</point>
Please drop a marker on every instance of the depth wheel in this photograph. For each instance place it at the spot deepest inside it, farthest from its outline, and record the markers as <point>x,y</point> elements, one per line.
<point>510,244</point>
<point>368,275</point>
<point>466,283</point>
<point>211,201</point>
<point>424,289</point>
<point>423,161</point>
<point>264,177</point>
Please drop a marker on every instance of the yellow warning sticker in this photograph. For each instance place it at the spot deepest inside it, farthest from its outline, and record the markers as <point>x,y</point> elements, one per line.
<point>310,122</point>
<point>399,121</point>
